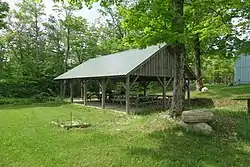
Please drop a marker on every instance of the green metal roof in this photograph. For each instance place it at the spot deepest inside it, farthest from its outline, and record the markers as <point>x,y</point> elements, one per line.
<point>117,64</point>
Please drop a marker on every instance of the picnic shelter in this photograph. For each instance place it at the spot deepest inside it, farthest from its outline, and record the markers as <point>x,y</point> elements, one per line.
<point>152,64</point>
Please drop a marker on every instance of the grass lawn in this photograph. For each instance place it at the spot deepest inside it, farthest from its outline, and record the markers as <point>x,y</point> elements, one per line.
<point>220,91</point>
<point>29,139</point>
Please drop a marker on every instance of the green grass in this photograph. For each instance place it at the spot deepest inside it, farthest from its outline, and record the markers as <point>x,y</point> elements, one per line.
<point>29,139</point>
<point>222,91</point>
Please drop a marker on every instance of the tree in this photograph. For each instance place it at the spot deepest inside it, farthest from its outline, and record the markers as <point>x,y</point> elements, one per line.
<point>152,22</point>
<point>24,38</point>
<point>110,30</point>
<point>210,22</point>
<point>35,47</point>
<point>4,8</point>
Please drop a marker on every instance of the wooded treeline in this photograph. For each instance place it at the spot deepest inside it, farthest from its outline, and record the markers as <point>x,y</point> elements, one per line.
<point>37,47</point>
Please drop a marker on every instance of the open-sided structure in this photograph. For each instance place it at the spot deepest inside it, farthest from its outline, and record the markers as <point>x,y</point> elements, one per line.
<point>154,63</point>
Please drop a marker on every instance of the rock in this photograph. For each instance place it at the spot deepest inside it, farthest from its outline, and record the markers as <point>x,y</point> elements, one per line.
<point>197,116</point>
<point>201,128</point>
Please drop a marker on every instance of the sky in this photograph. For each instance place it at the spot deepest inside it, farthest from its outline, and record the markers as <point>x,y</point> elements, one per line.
<point>89,14</point>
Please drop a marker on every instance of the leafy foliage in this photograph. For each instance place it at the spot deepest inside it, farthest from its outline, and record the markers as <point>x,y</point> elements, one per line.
<point>35,47</point>
<point>4,8</point>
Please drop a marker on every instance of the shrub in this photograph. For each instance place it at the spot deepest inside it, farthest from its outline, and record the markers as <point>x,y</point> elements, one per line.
<point>43,97</point>
<point>7,101</point>
<point>27,87</point>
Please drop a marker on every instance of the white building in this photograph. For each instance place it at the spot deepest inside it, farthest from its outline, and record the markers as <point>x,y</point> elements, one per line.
<point>242,70</point>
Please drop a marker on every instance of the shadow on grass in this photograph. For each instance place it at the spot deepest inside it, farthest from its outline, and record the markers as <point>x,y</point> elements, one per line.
<point>31,105</point>
<point>229,121</point>
<point>195,103</point>
<point>177,148</point>
<point>147,111</point>
<point>199,103</point>
<point>228,146</point>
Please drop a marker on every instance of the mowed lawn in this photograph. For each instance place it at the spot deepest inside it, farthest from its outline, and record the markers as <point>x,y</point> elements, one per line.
<point>221,91</point>
<point>27,138</point>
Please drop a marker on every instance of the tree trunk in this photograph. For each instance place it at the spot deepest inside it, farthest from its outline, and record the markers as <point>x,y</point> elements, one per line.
<point>37,35</point>
<point>66,57</point>
<point>197,49</point>
<point>177,105</point>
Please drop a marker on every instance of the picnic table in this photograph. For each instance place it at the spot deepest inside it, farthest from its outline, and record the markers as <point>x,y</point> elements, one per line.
<point>142,101</point>
<point>119,98</point>
<point>248,102</point>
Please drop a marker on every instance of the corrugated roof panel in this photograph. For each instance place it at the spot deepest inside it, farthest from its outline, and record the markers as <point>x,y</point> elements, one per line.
<point>111,65</point>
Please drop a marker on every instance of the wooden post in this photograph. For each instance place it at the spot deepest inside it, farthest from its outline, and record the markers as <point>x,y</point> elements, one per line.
<point>145,85</point>
<point>81,90</point>
<point>188,91</point>
<point>248,106</point>
<point>103,93</point>
<point>164,92</point>
<point>127,94</point>
<point>71,118</point>
<point>61,90</point>
<point>71,91</point>
<point>144,90</point>
<point>85,92</point>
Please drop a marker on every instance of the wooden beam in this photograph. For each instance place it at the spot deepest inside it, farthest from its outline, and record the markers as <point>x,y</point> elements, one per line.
<point>159,79</point>
<point>61,90</point>
<point>107,81</point>
<point>124,85</point>
<point>127,94</point>
<point>71,91</point>
<point>64,87</point>
<point>145,85</point>
<point>144,90</point>
<point>103,92</point>
<point>85,92</point>
<point>100,83</point>
<point>169,81</point>
<point>164,89</point>
<point>188,91</point>
<point>81,82</point>
<point>134,81</point>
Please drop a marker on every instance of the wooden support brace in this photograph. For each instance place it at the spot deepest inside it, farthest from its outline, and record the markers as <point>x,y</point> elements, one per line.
<point>169,81</point>
<point>124,85</point>
<point>71,91</point>
<point>145,85</point>
<point>82,84</point>
<point>127,94</point>
<point>100,84</point>
<point>159,79</point>
<point>85,92</point>
<point>134,81</point>
<point>104,83</point>
<point>103,93</point>
<point>188,91</point>
<point>61,90</point>
<point>164,93</point>
<point>107,81</point>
